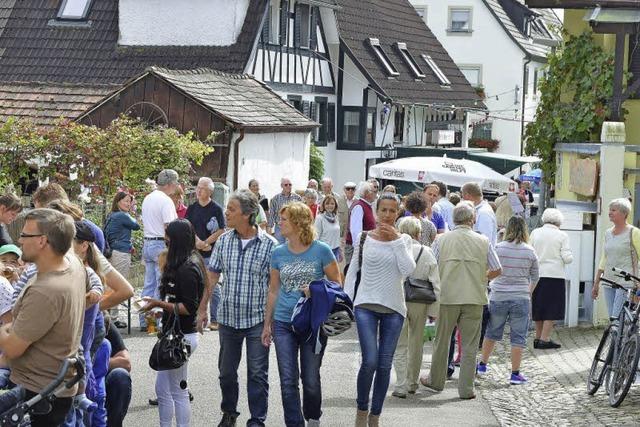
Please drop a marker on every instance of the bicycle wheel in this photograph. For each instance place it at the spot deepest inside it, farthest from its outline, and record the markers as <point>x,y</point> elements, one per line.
<point>624,373</point>
<point>601,360</point>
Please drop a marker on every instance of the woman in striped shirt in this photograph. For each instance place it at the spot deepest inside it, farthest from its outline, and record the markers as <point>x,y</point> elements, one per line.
<point>510,296</point>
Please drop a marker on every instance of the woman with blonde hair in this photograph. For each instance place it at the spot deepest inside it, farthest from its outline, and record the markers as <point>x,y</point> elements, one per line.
<point>407,358</point>
<point>509,297</point>
<point>294,265</point>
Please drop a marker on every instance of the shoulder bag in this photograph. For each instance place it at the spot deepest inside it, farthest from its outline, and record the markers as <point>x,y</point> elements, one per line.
<point>107,252</point>
<point>363,237</point>
<point>419,290</point>
<point>172,350</point>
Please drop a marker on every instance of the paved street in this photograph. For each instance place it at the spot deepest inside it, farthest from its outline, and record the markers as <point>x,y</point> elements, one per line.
<point>555,394</point>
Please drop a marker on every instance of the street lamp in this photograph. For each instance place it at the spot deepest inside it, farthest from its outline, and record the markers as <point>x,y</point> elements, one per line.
<point>389,152</point>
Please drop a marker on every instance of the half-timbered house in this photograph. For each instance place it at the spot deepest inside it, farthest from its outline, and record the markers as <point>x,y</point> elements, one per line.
<point>369,72</point>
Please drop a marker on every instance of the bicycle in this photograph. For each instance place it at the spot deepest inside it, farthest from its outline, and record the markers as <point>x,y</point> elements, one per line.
<point>18,413</point>
<point>616,358</point>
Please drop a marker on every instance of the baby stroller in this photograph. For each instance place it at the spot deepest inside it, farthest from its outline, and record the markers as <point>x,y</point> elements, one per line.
<point>14,410</point>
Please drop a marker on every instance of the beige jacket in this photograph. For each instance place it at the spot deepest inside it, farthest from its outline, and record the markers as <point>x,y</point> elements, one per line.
<point>427,269</point>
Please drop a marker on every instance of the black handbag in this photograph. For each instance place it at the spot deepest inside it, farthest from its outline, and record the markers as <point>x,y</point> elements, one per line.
<point>363,237</point>
<point>172,350</point>
<point>419,290</point>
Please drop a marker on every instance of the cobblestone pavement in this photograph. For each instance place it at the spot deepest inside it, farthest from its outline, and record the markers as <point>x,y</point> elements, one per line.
<point>556,391</point>
<point>555,395</point>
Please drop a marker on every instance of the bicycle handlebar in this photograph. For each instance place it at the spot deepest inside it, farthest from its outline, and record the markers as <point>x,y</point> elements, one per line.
<point>612,284</point>
<point>626,275</point>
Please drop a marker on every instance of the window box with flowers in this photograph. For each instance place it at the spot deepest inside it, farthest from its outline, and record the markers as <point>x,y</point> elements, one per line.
<point>489,144</point>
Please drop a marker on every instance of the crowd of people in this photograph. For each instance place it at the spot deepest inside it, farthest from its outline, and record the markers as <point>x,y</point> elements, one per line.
<point>244,269</point>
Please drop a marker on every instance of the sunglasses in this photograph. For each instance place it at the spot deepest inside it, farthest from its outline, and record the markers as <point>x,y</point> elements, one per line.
<point>287,185</point>
<point>26,235</point>
<point>350,188</point>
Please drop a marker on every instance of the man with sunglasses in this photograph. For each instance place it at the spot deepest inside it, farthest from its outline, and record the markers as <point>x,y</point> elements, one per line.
<point>278,201</point>
<point>48,314</point>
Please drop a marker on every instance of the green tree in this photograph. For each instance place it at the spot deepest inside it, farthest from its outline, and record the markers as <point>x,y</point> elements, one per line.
<point>316,163</point>
<point>573,101</point>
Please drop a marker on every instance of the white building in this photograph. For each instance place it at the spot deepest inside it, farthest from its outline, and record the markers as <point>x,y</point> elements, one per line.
<point>501,47</point>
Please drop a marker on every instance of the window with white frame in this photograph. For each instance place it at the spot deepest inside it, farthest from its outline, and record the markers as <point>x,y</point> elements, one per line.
<point>442,78</point>
<point>274,22</point>
<point>383,58</point>
<point>473,74</point>
<point>74,9</point>
<point>410,61</point>
<point>460,19</point>
<point>421,10</point>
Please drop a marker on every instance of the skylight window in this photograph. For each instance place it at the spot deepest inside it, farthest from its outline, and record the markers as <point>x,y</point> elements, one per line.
<point>410,61</point>
<point>74,9</point>
<point>444,81</point>
<point>384,59</point>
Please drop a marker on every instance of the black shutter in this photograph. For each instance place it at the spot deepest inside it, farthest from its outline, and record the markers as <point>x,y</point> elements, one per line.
<point>296,25</point>
<point>313,34</point>
<point>284,21</point>
<point>313,114</point>
<point>331,121</point>
<point>266,27</point>
<point>306,108</point>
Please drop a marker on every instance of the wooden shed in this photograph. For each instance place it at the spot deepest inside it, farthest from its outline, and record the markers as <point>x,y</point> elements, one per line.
<point>204,101</point>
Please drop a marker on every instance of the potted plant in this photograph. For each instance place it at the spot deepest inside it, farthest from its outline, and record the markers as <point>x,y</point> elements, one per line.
<point>488,143</point>
<point>480,92</point>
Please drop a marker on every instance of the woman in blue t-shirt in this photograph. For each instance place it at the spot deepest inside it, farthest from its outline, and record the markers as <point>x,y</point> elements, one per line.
<point>294,265</point>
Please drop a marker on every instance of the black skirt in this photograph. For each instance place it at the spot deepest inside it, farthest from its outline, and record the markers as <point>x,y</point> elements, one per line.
<point>548,299</point>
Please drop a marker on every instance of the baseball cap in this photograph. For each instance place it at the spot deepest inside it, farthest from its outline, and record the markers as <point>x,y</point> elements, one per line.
<point>349,184</point>
<point>10,249</point>
<point>167,176</point>
<point>84,232</point>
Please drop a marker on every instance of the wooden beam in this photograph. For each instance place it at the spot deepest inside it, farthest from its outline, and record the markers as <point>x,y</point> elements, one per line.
<point>614,27</point>
<point>616,99</point>
<point>581,4</point>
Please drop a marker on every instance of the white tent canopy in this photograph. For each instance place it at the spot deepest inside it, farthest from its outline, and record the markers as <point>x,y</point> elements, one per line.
<point>453,172</point>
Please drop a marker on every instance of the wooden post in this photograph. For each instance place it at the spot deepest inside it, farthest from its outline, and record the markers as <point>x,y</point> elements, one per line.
<point>616,99</point>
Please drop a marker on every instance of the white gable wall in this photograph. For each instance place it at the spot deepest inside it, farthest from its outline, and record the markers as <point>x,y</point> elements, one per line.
<point>180,22</point>
<point>501,62</point>
<point>268,157</point>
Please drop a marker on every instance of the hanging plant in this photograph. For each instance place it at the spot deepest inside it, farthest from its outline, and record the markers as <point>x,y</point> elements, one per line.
<point>489,144</point>
<point>573,99</point>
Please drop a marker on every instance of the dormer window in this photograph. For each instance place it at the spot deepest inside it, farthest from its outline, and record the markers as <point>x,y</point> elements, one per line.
<point>383,58</point>
<point>74,10</point>
<point>444,81</point>
<point>410,61</point>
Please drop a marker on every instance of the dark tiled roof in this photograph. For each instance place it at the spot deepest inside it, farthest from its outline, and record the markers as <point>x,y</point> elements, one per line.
<point>33,51</point>
<point>393,21</point>
<point>536,50</point>
<point>240,98</point>
<point>46,103</point>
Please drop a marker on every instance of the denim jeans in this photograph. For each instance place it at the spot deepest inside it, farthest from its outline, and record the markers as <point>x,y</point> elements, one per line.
<point>516,313</point>
<point>150,252</point>
<point>118,386</point>
<point>231,340</point>
<point>215,299</point>
<point>289,347</point>
<point>377,355</point>
<point>615,299</point>
<point>278,235</point>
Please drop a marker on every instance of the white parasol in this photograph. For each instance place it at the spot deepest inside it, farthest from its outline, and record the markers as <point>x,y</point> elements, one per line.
<point>453,172</point>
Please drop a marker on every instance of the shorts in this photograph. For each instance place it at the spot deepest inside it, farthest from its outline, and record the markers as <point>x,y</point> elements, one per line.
<point>516,312</point>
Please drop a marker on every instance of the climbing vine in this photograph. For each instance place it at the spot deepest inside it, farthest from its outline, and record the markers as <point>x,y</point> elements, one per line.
<point>573,99</point>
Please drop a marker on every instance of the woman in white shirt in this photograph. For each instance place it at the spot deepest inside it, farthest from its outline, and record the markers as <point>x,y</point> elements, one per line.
<point>547,300</point>
<point>379,303</point>
<point>407,358</point>
<point>328,225</point>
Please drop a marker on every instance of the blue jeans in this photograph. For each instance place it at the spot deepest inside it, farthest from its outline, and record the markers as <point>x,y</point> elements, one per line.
<point>377,355</point>
<point>257,371</point>
<point>278,235</point>
<point>118,386</point>
<point>516,312</point>
<point>215,299</point>
<point>288,348</point>
<point>150,252</point>
<point>615,299</point>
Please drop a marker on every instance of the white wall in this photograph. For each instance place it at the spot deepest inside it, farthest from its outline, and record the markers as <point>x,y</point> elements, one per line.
<point>181,22</point>
<point>351,166</point>
<point>268,157</point>
<point>501,60</point>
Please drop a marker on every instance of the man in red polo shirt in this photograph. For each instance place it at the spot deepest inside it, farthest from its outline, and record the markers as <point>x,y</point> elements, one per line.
<point>361,217</point>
